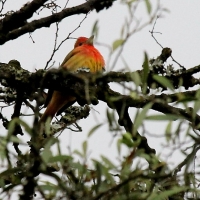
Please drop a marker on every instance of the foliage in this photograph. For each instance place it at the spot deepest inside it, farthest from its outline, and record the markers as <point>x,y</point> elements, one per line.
<point>43,172</point>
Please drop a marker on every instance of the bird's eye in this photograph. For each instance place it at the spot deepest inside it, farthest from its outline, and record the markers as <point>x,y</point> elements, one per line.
<point>80,43</point>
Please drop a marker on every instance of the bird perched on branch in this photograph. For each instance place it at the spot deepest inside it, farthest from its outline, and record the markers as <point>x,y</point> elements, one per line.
<point>83,56</point>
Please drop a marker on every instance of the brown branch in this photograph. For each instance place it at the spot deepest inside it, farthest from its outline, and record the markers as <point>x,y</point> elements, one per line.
<point>13,76</point>
<point>2,5</point>
<point>18,18</point>
<point>47,21</point>
<point>121,105</point>
<point>137,174</point>
<point>4,120</point>
<point>176,97</point>
<point>159,105</point>
<point>31,82</point>
<point>17,129</point>
<point>76,86</point>
<point>18,104</point>
<point>72,115</point>
<point>57,46</point>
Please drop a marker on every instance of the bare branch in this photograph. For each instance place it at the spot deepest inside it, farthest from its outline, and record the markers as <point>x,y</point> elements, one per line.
<point>18,18</point>
<point>56,48</point>
<point>22,27</point>
<point>152,34</point>
<point>2,5</point>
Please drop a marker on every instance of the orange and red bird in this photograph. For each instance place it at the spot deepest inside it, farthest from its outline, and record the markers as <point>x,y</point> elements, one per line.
<point>83,56</point>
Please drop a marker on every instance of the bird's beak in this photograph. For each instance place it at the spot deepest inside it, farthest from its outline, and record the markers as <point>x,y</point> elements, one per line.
<point>90,40</point>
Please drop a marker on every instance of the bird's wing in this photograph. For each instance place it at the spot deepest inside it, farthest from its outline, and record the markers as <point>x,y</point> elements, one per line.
<point>50,92</point>
<point>70,55</point>
<point>82,57</point>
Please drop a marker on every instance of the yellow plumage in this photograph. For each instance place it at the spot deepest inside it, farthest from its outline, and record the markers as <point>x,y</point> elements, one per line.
<point>83,56</point>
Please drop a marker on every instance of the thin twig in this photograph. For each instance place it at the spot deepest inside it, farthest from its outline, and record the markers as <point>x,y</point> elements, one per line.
<point>136,29</point>
<point>152,34</point>
<point>2,5</point>
<point>56,48</point>
<point>66,4</point>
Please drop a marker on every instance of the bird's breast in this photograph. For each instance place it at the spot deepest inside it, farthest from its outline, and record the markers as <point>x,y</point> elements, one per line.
<point>86,59</point>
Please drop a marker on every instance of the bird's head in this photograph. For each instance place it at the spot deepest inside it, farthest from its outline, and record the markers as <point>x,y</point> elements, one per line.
<point>83,40</point>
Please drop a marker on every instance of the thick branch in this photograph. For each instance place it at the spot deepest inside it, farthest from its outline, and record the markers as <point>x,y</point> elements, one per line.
<point>18,18</point>
<point>19,78</point>
<point>106,94</point>
<point>96,89</point>
<point>184,77</point>
<point>14,31</point>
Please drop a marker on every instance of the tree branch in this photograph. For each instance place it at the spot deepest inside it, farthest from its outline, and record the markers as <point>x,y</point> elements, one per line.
<point>22,27</point>
<point>18,18</point>
<point>60,80</point>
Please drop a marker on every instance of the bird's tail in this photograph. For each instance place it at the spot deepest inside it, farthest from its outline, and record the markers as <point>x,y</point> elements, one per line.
<point>57,102</point>
<point>47,114</point>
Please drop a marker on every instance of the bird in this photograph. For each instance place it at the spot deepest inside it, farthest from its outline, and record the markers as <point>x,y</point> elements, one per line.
<point>83,56</point>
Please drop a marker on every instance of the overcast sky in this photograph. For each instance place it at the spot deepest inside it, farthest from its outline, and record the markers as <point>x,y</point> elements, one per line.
<point>179,28</point>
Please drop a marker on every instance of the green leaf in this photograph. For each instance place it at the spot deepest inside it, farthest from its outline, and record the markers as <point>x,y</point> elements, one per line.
<point>47,186</point>
<point>16,139</point>
<point>98,169</point>
<point>144,155</point>
<point>27,128</point>
<point>85,147</point>
<point>165,194</point>
<point>134,95</point>
<point>117,43</point>
<point>163,81</point>
<point>122,31</point>
<point>46,154</point>
<point>2,183</point>
<point>14,122</point>
<point>3,149</point>
<point>119,146</point>
<point>78,153</point>
<point>110,117</point>
<point>197,103</point>
<point>148,6</point>
<point>59,158</point>
<point>58,148</point>
<point>9,172</point>
<point>95,28</point>
<point>141,116</point>
<point>145,73</point>
<point>127,140</point>
<point>78,166</point>
<point>94,129</point>
<point>168,131</point>
<point>113,99</point>
<point>136,78</point>
<point>163,117</point>
<point>107,162</point>
<point>125,63</point>
<point>48,126</point>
